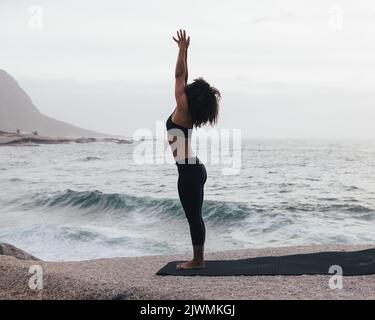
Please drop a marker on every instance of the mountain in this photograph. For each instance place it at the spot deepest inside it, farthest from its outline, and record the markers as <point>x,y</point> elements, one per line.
<point>17,111</point>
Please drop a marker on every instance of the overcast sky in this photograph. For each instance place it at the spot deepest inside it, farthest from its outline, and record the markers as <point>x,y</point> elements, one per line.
<point>290,68</point>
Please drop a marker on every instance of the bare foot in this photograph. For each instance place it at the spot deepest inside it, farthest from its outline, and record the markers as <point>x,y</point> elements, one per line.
<point>193,264</point>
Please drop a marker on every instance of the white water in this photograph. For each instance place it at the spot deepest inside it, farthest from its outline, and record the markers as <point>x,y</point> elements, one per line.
<point>75,202</point>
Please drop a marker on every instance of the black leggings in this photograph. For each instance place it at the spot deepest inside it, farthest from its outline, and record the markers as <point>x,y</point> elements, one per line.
<point>191,180</point>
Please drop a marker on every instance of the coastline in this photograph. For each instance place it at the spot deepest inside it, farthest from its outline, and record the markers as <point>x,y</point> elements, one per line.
<point>23,139</point>
<point>134,278</point>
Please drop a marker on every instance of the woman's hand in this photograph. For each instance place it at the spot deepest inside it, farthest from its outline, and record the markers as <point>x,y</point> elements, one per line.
<point>182,41</point>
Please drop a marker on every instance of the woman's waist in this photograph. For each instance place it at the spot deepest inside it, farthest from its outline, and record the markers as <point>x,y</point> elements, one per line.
<point>182,151</point>
<point>193,160</point>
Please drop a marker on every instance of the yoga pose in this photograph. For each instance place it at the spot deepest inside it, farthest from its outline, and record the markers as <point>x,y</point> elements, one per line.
<point>197,104</point>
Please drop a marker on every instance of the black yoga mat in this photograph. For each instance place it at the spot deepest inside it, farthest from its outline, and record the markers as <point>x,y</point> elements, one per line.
<point>352,264</point>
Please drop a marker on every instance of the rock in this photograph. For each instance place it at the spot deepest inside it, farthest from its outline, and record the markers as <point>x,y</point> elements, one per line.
<point>9,250</point>
<point>122,141</point>
<point>85,140</point>
<point>118,141</point>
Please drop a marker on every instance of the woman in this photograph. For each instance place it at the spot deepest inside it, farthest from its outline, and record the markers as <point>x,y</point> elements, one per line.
<point>197,104</point>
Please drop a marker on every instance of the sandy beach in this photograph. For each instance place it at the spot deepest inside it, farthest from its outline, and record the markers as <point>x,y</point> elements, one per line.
<point>134,278</point>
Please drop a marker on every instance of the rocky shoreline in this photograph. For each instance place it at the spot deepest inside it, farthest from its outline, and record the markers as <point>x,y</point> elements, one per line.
<point>23,139</point>
<point>134,278</point>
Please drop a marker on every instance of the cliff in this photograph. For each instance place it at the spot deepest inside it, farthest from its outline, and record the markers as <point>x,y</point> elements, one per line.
<point>17,111</point>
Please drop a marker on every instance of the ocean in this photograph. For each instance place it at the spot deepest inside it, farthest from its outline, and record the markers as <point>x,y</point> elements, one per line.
<point>86,201</point>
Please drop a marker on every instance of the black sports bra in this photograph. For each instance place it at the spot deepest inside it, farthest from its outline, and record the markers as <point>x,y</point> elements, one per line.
<point>186,132</point>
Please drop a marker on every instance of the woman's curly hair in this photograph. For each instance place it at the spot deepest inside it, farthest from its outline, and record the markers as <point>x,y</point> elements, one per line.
<point>203,102</point>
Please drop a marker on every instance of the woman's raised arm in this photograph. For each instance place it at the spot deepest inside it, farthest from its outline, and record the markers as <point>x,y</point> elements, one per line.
<point>181,72</point>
